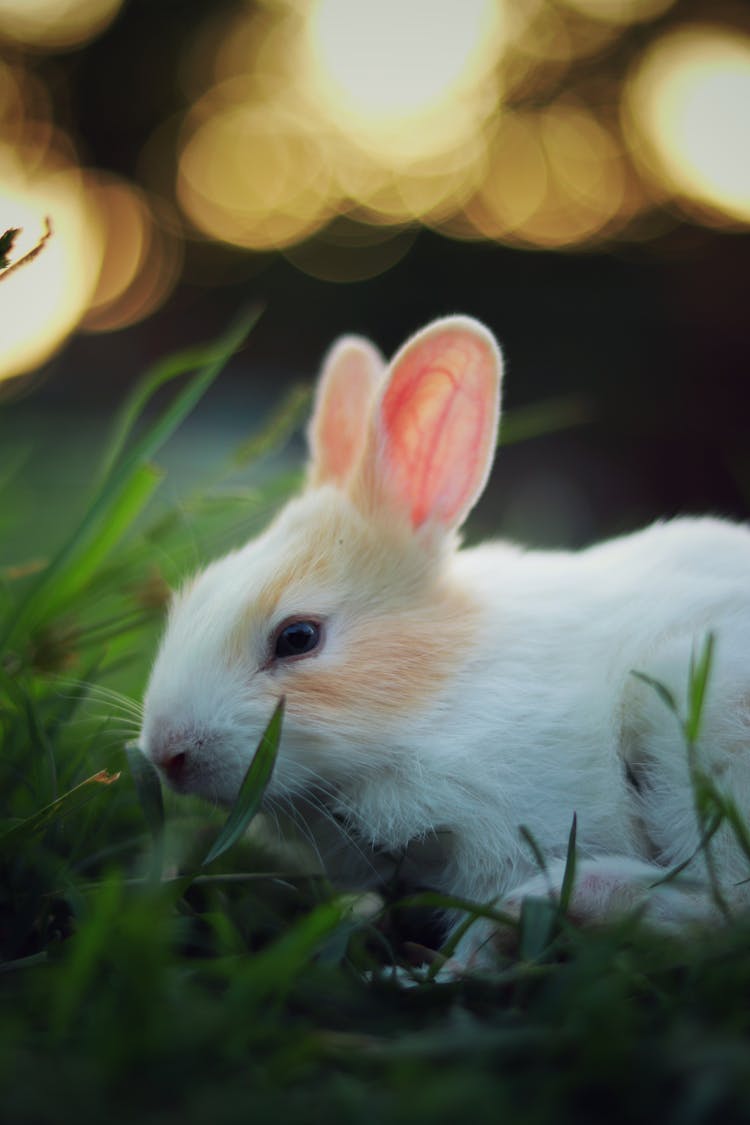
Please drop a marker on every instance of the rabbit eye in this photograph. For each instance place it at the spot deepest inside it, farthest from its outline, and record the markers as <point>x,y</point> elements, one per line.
<point>298,638</point>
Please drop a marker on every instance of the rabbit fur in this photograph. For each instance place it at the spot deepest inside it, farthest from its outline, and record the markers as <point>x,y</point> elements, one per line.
<point>456,694</point>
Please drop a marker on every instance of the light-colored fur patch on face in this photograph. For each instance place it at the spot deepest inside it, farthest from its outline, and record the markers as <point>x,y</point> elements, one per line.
<point>394,628</point>
<point>395,634</point>
<point>395,663</point>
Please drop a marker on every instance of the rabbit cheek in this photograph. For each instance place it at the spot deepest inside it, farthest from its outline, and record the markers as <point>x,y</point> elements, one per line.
<point>389,670</point>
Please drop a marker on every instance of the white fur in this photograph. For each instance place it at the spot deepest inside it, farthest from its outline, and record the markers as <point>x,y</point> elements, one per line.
<point>541,716</point>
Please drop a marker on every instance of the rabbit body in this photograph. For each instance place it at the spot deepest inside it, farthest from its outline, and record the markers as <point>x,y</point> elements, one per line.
<point>451,696</point>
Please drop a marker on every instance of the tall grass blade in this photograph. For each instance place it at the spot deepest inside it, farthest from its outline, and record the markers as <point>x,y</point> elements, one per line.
<point>275,968</point>
<point>449,947</point>
<point>277,429</point>
<point>68,803</point>
<point>661,690</point>
<point>84,954</point>
<point>453,902</point>
<point>738,823</point>
<point>700,671</point>
<point>546,417</point>
<point>569,876</point>
<point>122,465</point>
<point>537,927</point>
<point>538,854</point>
<point>163,372</point>
<point>710,807</point>
<point>168,422</point>
<point>711,828</point>
<point>90,552</point>
<point>252,789</point>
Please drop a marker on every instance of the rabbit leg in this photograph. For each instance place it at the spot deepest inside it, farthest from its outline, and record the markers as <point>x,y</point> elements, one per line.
<point>605,888</point>
<point>609,887</point>
<point>670,775</point>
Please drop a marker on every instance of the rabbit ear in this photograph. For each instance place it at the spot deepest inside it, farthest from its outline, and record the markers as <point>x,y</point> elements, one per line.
<point>336,434</point>
<point>433,432</point>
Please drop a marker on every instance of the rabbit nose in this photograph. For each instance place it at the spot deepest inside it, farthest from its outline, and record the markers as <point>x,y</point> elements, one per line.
<point>170,753</point>
<point>173,765</point>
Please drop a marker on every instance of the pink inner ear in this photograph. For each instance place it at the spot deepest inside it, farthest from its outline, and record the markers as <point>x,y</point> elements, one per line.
<point>337,429</point>
<point>439,416</point>
<point>343,426</point>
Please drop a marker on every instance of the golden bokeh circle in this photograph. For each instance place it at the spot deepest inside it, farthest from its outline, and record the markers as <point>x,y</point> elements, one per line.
<point>686,115</point>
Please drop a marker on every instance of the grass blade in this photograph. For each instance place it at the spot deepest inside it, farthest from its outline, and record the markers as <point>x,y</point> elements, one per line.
<point>531,840</point>
<point>276,967</point>
<point>277,429</point>
<point>165,371</point>
<point>121,467</point>
<point>549,416</point>
<point>252,789</point>
<point>712,827</point>
<point>85,560</point>
<point>68,803</point>
<point>566,890</point>
<point>700,670</point>
<point>168,422</point>
<point>661,690</point>
<point>537,927</point>
<point>453,902</point>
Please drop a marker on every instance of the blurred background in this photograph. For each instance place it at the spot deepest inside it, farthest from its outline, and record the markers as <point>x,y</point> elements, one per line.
<point>576,173</point>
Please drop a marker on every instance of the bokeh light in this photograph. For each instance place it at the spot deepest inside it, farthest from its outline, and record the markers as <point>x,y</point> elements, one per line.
<point>43,301</point>
<point>687,111</point>
<point>331,130</point>
<point>345,108</point>
<point>349,251</point>
<point>10,94</point>
<point>515,185</point>
<point>401,80</point>
<point>586,181</point>
<point>55,24</point>
<point>141,261</point>
<point>350,40</point>
<point>253,175</point>
<point>620,11</point>
<point>556,178</point>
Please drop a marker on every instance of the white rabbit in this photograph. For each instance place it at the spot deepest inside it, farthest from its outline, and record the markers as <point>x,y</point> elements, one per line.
<point>437,698</point>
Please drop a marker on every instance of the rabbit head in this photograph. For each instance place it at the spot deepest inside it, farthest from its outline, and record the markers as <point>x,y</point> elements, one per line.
<point>346,605</point>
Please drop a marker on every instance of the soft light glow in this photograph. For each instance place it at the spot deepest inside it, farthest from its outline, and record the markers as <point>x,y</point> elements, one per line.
<point>254,176</point>
<point>396,56</point>
<point>556,178</point>
<point>620,11</point>
<point>127,221</point>
<point>554,41</point>
<point>516,180</point>
<point>688,104</point>
<point>43,301</point>
<point>347,252</point>
<point>586,184</point>
<point>431,190</point>
<point>403,79</point>
<point>345,107</point>
<point>140,265</point>
<point>9,93</point>
<point>55,24</point>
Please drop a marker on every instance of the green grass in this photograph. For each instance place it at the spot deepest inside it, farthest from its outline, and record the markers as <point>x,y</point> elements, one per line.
<point>158,966</point>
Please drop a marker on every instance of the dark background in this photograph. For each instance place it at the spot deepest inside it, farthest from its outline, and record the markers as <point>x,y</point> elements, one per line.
<point>650,335</point>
